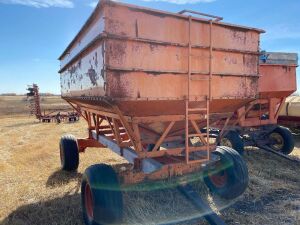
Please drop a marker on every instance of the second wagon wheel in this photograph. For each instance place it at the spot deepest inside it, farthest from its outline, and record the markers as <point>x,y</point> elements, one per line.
<point>69,153</point>
<point>101,197</point>
<point>229,177</point>
<point>232,139</point>
<point>281,139</point>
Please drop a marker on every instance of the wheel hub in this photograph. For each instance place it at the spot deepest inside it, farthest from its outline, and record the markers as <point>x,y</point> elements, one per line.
<point>88,200</point>
<point>61,154</point>
<point>219,179</point>
<point>226,142</point>
<point>277,141</point>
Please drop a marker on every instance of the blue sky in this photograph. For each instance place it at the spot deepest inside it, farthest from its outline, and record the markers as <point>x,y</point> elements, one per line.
<point>33,33</point>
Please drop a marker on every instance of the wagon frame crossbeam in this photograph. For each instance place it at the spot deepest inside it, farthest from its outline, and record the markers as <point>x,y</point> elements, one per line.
<point>125,131</point>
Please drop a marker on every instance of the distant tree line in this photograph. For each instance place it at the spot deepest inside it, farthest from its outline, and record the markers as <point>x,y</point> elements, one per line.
<point>47,94</point>
<point>8,94</point>
<point>14,94</point>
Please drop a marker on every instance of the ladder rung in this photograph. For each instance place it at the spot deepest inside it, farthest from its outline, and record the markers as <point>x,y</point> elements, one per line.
<point>198,160</point>
<point>196,109</point>
<point>197,135</point>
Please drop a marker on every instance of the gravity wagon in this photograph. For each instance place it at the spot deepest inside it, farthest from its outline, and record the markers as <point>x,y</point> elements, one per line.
<point>256,123</point>
<point>152,85</point>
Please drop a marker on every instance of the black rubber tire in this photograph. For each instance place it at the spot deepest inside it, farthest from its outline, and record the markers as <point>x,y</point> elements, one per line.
<point>236,141</point>
<point>69,153</point>
<point>289,143</point>
<point>107,199</point>
<point>233,165</point>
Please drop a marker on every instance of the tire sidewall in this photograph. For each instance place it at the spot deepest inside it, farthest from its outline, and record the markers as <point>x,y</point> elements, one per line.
<point>86,219</point>
<point>228,169</point>
<point>236,141</point>
<point>237,174</point>
<point>69,152</point>
<point>288,140</point>
<point>107,196</point>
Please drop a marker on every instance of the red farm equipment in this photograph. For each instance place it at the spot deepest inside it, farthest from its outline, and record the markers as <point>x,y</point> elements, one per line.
<point>34,99</point>
<point>154,87</point>
<point>257,120</point>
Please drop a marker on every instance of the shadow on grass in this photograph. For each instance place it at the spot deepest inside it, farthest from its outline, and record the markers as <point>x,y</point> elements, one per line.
<point>61,177</point>
<point>58,211</point>
<point>67,210</point>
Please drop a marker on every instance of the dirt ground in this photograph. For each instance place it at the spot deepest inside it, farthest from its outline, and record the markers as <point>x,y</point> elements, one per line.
<point>33,189</point>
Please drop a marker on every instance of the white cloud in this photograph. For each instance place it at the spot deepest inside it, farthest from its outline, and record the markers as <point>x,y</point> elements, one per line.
<point>182,2</point>
<point>93,4</point>
<point>41,3</point>
<point>281,31</point>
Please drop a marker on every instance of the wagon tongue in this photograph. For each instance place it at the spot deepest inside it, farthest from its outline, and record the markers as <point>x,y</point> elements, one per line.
<point>193,196</point>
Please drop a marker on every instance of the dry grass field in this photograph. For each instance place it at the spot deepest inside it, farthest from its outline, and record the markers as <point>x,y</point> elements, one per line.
<point>34,191</point>
<point>18,105</point>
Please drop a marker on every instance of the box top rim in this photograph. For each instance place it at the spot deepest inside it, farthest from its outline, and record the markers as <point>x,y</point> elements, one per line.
<point>102,3</point>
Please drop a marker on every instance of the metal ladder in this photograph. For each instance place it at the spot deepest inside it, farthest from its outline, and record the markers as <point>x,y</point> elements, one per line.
<point>204,137</point>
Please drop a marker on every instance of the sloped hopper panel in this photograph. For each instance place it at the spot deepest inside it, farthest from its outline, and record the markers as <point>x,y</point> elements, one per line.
<point>278,74</point>
<point>138,58</point>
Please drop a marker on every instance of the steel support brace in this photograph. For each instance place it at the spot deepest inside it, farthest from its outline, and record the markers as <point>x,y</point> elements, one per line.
<point>148,165</point>
<point>85,143</point>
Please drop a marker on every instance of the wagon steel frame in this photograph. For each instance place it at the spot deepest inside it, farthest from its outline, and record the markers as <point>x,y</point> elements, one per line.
<point>122,135</point>
<point>251,114</point>
<point>124,114</point>
<point>258,117</point>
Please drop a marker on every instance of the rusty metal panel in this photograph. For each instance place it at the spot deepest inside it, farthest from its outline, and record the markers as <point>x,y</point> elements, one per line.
<point>145,56</point>
<point>141,85</point>
<point>132,55</point>
<point>230,63</point>
<point>151,107</point>
<point>129,22</point>
<point>85,77</point>
<point>277,80</point>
